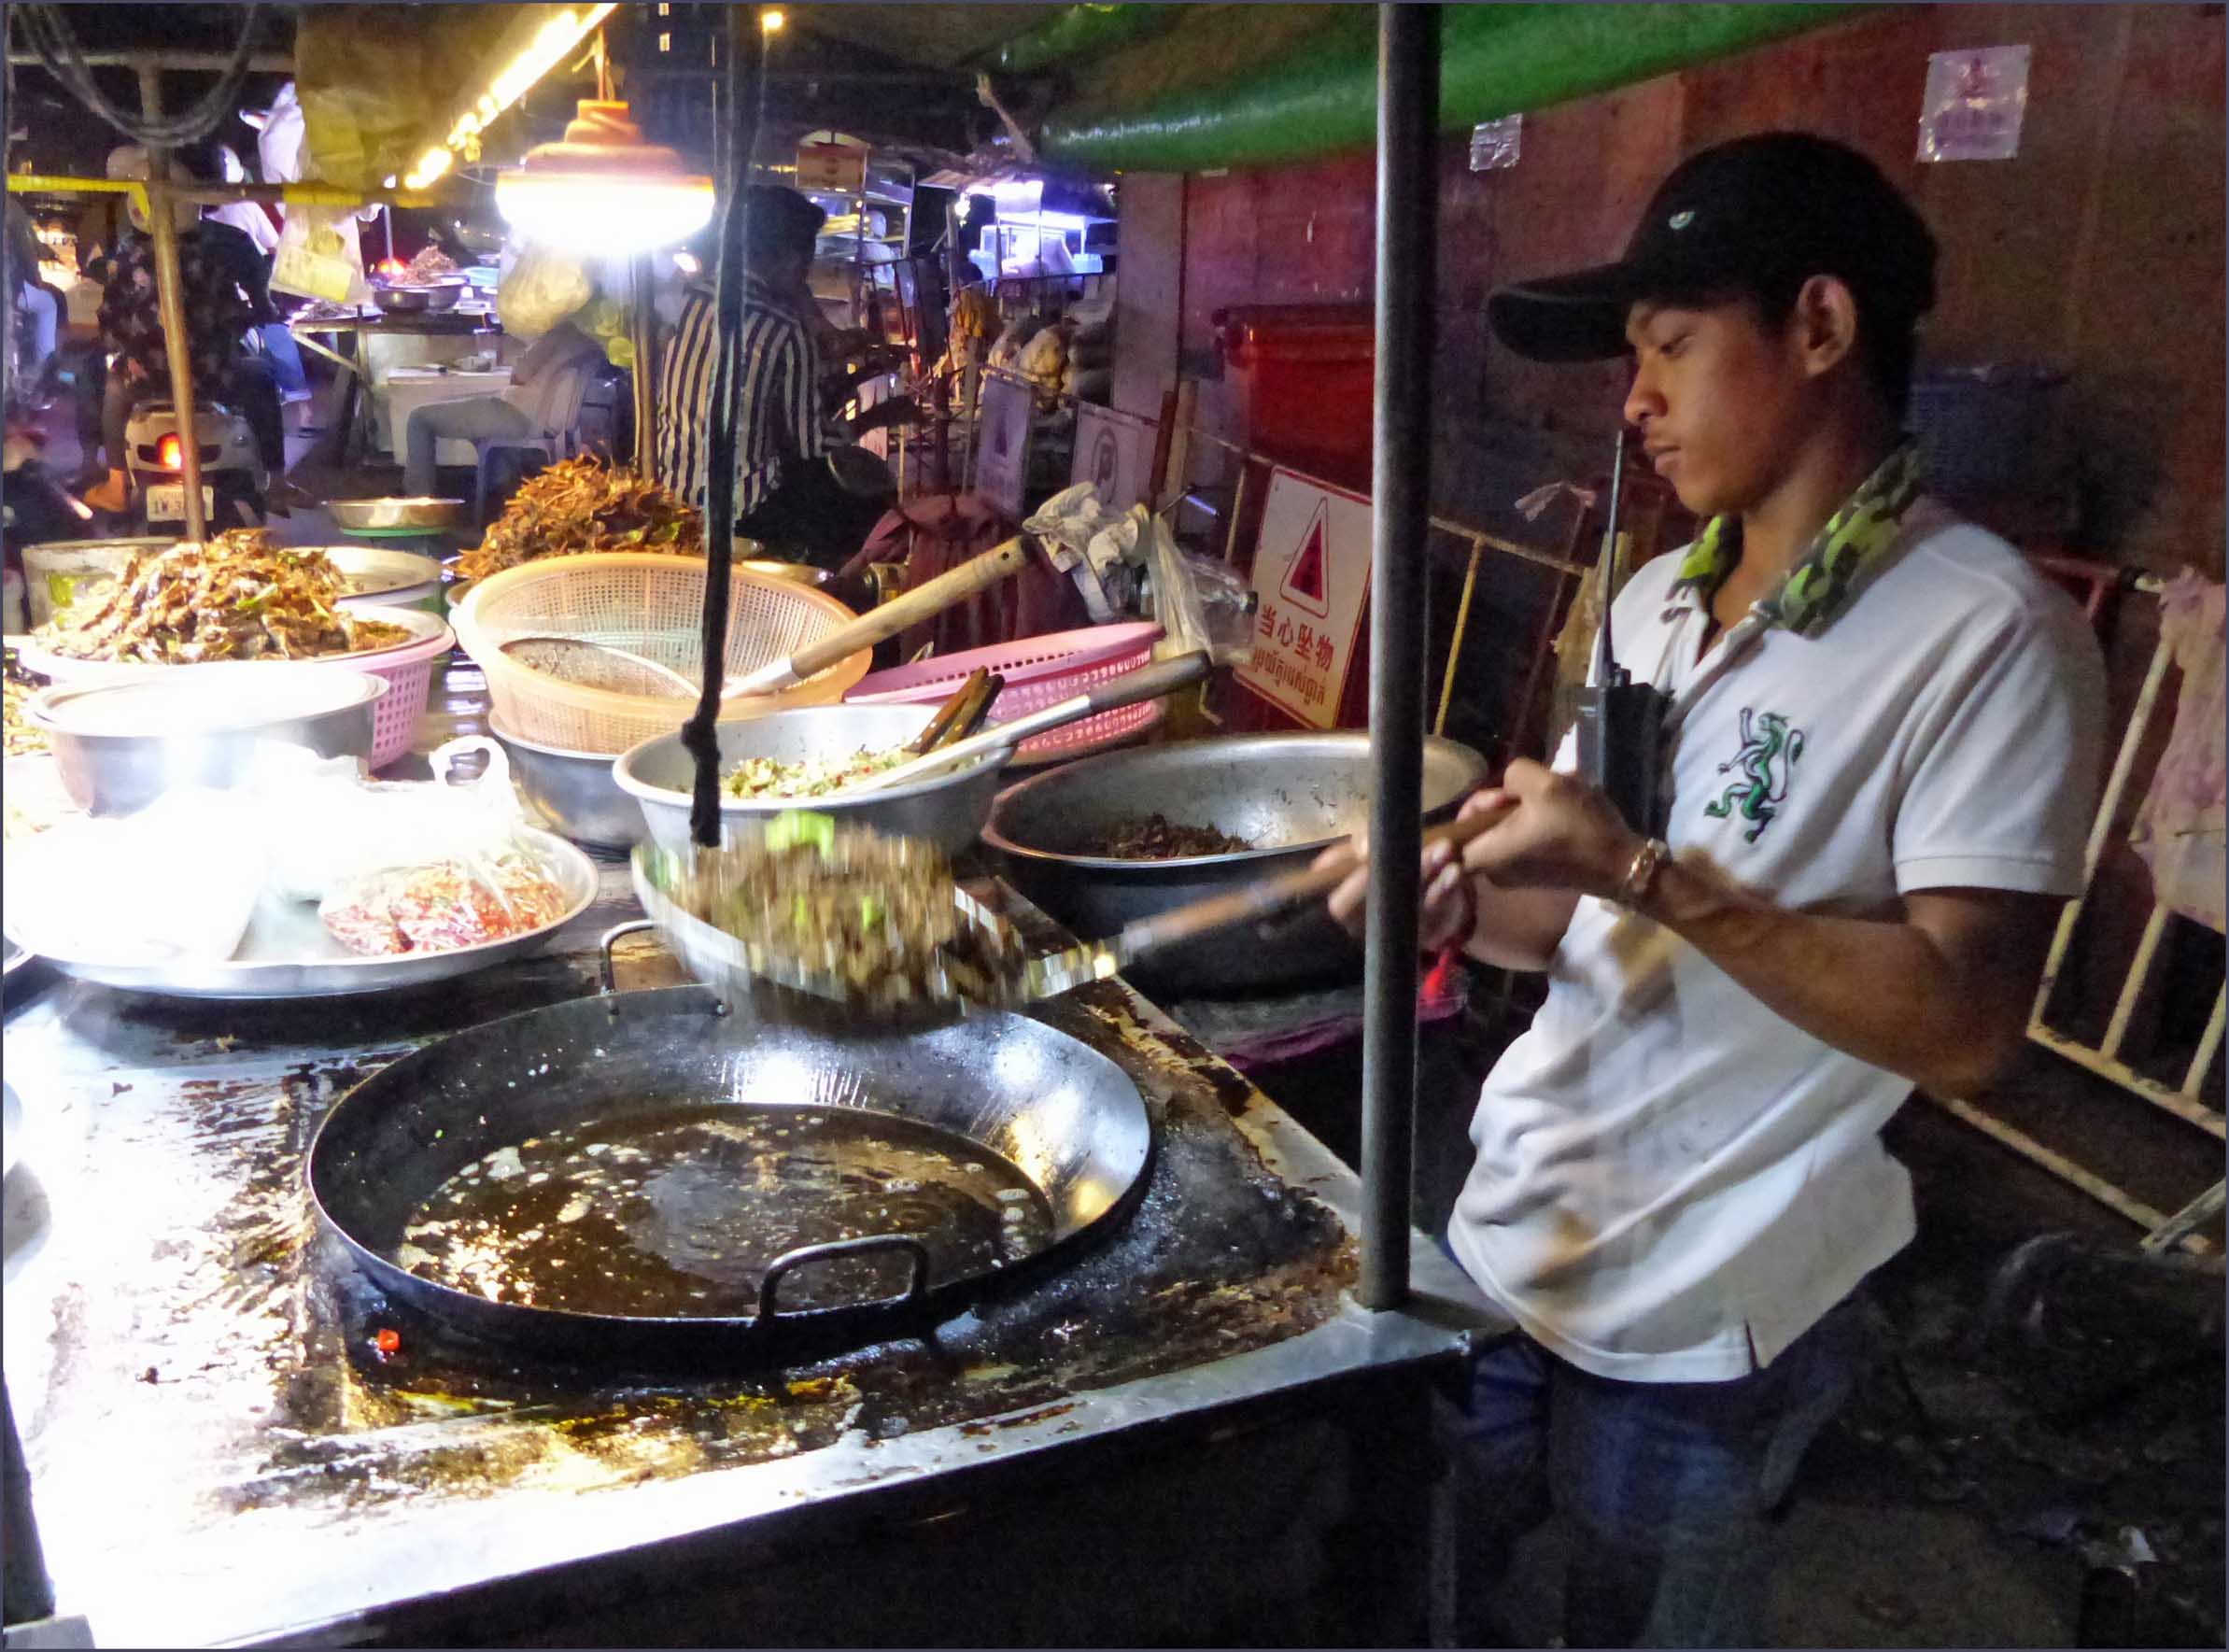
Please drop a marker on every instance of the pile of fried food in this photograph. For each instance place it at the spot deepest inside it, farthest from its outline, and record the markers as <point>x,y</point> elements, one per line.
<point>808,777</point>
<point>24,738</point>
<point>242,596</point>
<point>430,264</point>
<point>580,506</point>
<point>874,918</point>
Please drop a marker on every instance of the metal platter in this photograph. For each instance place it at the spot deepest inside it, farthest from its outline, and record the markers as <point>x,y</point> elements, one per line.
<point>396,515</point>
<point>288,955</point>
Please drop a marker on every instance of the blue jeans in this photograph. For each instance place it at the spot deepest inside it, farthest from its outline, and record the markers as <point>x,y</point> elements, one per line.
<point>476,419</point>
<point>285,356</point>
<point>1672,1492</point>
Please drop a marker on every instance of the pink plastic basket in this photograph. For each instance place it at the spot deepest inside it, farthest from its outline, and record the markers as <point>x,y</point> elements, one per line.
<point>1040,671</point>
<point>409,673</point>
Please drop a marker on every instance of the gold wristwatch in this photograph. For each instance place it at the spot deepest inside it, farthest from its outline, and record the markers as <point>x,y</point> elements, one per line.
<point>1641,877</point>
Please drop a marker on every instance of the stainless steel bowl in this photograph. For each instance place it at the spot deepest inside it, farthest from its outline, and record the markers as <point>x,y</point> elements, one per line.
<point>575,792</point>
<point>416,301</point>
<point>394,516</point>
<point>120,747</point>
<point>948,809</point>
<point>1293,794</point>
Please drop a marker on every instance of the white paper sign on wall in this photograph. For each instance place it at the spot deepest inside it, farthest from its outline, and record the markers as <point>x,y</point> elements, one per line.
<point>1312,582</point>
<point>1114,450</point>
<point>1974,105</point>
<point>1002,439</point>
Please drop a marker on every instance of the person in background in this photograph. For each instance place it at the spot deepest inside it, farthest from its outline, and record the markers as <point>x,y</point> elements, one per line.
<point>530,405</point>
<point>40,306</point>
<point>779,433</point>
<point>252,221</point>
<point>786,497</point>
<point>226,294</point>
<point>1882,754</point>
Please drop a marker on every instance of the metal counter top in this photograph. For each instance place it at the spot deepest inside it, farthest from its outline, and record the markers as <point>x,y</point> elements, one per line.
<point>218,1455</point>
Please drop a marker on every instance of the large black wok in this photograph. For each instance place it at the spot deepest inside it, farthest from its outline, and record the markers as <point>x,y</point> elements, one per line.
<point>1069,1121</point>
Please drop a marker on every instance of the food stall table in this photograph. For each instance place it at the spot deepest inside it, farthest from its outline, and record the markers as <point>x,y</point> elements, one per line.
<point>219,1453</point>
<point>354,333</point>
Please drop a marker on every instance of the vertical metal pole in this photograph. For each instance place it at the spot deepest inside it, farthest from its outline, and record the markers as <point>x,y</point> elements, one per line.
<point>643,334</point>
<point>170,299</point>
<point>1408,97</point>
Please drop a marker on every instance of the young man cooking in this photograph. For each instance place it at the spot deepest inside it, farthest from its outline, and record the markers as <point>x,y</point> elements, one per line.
<point>1881,756</point>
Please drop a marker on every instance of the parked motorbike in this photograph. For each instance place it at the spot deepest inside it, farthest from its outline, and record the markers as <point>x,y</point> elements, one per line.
<point>234,484</point>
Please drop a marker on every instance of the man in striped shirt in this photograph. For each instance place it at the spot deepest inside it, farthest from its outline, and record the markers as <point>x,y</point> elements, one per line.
<point>780,435</point>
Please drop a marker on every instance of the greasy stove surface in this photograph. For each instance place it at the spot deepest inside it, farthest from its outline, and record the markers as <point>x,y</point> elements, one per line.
<point>178,1325</point>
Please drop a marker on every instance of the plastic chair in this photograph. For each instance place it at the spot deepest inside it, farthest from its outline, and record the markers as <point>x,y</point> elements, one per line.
<point>500,463</point>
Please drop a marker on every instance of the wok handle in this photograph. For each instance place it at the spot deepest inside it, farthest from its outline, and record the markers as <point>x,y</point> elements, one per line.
<point>917,1288</point>
<point>606,971</point>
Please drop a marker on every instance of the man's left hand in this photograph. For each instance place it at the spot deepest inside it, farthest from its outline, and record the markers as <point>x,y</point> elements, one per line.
<point>1564,834</point>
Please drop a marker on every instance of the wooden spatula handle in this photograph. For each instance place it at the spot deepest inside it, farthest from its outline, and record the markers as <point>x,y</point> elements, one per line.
<point>978,573</point>
<point>1273,896</point>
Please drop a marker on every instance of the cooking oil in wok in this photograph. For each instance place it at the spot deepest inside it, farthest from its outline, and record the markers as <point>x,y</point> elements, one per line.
<point>675,1210</point>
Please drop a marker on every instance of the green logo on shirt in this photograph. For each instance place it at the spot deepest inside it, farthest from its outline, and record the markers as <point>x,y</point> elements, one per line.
<point>1769,752</point>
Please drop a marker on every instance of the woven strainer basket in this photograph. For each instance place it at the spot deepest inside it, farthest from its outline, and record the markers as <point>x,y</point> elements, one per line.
<point>648,604</point>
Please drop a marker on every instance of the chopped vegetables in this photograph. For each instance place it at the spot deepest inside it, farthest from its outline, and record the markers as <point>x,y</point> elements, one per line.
<point>240,597</point>
<point>443,907</point>
<point>808,777</point>
<point>25,738</point>
<point>582,505</point>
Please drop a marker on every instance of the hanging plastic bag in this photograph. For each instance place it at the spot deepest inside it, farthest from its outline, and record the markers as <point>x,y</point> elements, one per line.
<point>542,289</point>
<point>1201,603</point>
<point>319,255</point>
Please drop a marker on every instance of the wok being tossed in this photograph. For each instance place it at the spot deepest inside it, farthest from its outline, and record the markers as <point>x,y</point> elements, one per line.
<point>879,927</point>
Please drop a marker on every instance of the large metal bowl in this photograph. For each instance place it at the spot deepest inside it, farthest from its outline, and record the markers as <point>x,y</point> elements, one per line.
<point>396,516</point>
<point>948,809</point>
<point>118,748</point>
<point>1294,794</point>
<point>575,792</point>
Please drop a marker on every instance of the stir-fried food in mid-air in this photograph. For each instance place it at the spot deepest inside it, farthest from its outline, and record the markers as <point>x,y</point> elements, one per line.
<point>240,596</point>
<point>579,506</point>
<point>808,777</point>
<point>873,916</point>
<point>1158,837</point>
<point>24,738</point>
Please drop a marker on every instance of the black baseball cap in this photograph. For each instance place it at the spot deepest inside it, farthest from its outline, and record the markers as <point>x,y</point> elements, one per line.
<point>1743,216</point>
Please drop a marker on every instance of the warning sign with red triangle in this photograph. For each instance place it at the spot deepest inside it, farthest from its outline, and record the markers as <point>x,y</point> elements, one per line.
<point>1307,578</point>
<point>1311,585</point>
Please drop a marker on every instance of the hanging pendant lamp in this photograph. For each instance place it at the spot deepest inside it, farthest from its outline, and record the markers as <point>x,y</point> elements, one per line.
<point>601,189</point>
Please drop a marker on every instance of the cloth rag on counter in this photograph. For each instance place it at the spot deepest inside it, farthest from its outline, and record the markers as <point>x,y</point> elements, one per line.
<point>2179,830</point>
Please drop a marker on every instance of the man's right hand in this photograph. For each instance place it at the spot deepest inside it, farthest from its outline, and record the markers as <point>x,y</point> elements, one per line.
<point>1447,908</point>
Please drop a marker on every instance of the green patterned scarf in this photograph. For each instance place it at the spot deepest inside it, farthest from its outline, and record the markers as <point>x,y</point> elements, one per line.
<point>1818,587</point>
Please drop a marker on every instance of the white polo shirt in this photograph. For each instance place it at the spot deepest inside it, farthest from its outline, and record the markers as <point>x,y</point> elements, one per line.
<point>1672,1182</point>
